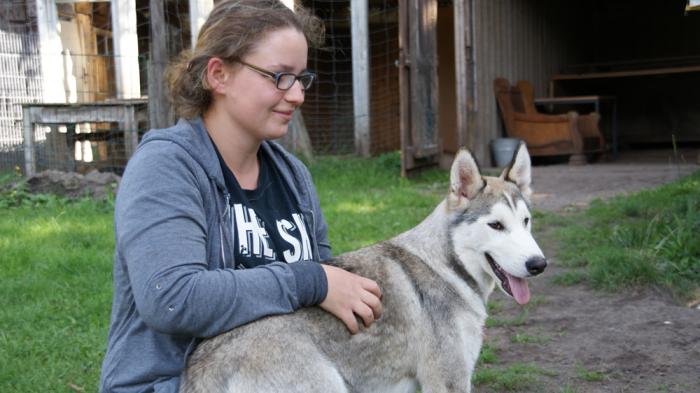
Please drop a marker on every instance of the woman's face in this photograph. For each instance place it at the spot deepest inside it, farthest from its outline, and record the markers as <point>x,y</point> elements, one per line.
<point>251,100</point>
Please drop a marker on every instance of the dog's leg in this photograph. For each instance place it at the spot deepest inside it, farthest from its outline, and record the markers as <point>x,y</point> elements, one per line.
<point>448,367</point>
<point>457,379</point>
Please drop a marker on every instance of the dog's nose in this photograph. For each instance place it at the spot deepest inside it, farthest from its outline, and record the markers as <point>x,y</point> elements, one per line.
<point>536,265</point>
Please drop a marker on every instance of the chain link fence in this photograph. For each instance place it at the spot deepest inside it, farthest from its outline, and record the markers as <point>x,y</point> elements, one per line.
<point>85,136</point>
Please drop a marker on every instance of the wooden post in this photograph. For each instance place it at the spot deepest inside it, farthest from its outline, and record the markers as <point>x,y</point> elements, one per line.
<point>126,48</point>
<point>464,65</point>
<point>297,140</point>
<point>199,11</point>
<point>420,142</point>
<point>50,47</point>
<point>131,132</point>
<point>28,142</point>
<point>422,18</point>
<point>360,76</point>
<point>158,102</point>
<point>403,64</point>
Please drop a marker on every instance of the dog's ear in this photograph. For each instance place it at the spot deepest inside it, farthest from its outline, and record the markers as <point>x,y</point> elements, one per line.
<point>519,171</point>
<point>465,178</point>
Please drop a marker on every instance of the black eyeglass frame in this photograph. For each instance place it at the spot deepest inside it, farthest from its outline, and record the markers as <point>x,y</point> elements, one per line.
<point>277,76</point>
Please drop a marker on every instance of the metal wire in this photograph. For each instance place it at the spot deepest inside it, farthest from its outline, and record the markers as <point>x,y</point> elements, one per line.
<point>87,60</point>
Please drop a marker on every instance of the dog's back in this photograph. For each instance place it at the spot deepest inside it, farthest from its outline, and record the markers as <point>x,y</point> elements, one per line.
<point>312,351</point>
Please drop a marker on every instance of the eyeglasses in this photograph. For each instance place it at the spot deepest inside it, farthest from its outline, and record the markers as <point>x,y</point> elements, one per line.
<point>284,80</point>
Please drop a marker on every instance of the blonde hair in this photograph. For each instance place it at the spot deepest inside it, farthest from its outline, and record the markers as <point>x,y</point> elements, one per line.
<point>230,32</point>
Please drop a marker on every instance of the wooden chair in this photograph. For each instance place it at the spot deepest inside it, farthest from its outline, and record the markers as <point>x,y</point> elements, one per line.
<point>547,135</point>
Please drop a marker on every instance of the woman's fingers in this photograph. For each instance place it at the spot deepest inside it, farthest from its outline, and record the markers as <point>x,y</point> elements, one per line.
<point>374,303</point>
<point>372,286</point>
<point>366,313</point>
<point>351,296</point>
<point>350,322</point>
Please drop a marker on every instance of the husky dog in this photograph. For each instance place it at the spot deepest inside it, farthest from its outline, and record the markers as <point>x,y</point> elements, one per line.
<point>435,280</point>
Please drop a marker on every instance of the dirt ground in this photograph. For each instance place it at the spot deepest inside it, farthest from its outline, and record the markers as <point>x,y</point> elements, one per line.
<point>592,341</point>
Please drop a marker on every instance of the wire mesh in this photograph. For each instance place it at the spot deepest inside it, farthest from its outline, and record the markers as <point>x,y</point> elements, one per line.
<point>80,147</point>
<point>328,109</point>
<point>86,73</point>
<point>20,77</point>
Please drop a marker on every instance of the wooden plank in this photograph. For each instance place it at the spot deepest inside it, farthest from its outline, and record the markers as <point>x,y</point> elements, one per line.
<point>464,68</point>
<point>407,162</point>
<point>623,74</point>
<point>424,106</point>
<point>158,102</point>
<point>571,99</point>
<point>95,75</point>
<point>78,114</point>
<point>53,115</point>
<point>131,132</point>
<point>360,76</point>
<point>460,31</point>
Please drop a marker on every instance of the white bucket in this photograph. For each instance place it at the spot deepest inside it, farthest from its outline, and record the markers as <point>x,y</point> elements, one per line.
<point>503,149</point>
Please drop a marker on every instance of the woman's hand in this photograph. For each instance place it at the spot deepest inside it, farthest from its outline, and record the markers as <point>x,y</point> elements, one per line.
<point>350,295</point>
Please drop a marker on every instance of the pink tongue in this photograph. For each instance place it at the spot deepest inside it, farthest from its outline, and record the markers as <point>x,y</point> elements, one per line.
<point>519,288</point>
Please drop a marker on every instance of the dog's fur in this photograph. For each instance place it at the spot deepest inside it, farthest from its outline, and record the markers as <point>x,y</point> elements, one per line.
<point>435,280</point>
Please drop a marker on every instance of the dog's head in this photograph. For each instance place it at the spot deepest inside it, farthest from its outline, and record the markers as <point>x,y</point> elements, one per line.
<point>490,221</point>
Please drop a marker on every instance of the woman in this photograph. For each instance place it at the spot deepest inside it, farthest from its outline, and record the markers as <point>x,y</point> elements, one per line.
<point>215,226</point>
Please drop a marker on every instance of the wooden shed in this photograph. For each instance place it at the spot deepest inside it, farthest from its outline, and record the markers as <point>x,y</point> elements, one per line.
<point>643,53</point>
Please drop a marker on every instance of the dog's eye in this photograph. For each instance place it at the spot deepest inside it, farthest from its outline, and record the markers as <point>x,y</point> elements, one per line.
<point>527,220</point>
<point>497,225</point>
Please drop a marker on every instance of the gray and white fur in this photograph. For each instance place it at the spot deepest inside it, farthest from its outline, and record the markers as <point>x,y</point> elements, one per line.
<point>435,280</point>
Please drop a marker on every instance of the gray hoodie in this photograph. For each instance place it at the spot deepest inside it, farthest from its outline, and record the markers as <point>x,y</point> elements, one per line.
<point>174,281</point>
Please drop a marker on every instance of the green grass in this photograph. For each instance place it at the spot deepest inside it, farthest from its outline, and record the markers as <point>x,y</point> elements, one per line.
<point>56,263</point>
<point>589,375</point>
<point>495,307</point>
<point>487,354</point>
<point>519,320</point>
<point>569,278</point>
<point>568,389</point>
<point>508,379</point>
<point>365,201</point>
<point>522,338</point>
<point>646,239</point>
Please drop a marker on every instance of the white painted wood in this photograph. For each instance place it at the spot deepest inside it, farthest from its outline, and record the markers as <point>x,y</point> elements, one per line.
<point>80,1</point>
<point>289,4</point>
<point>126,49</point>
<point>199,11</point>
<point>360,76</point>
<point>50,48</point>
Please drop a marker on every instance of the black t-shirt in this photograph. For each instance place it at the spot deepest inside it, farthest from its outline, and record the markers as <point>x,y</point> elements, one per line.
<point>267,225</point>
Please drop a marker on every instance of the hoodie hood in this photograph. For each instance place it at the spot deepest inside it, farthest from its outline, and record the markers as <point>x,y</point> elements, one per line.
<point>192,136</point>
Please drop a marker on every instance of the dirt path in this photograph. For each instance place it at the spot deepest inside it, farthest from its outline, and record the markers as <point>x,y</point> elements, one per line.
<point>591,341</point>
